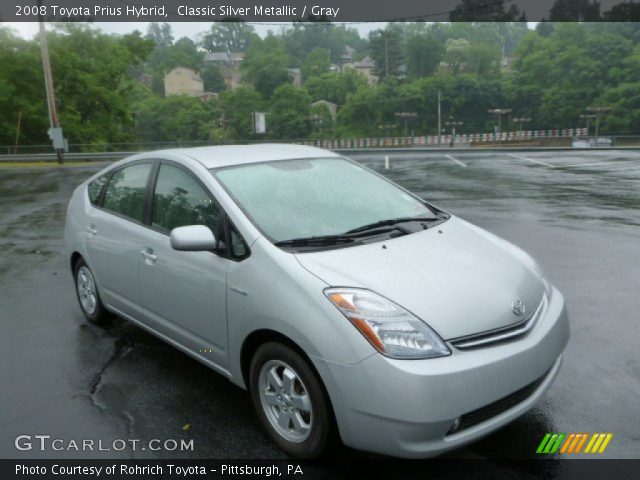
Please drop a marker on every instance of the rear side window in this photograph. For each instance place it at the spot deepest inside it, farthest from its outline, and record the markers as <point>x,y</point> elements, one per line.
<point>126,191</point>
<point>95,188</point>
<point>180,200</point>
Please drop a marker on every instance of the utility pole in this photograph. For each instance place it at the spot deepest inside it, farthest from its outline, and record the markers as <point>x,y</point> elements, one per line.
<point>598,111</point>
<point>55,131</point>
<point>386,55</point>
<point>439,120</point>
<point>18,132</point>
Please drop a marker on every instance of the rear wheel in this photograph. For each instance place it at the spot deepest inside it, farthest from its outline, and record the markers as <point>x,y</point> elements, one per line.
<point>290,401</point>
<point>87,292</point>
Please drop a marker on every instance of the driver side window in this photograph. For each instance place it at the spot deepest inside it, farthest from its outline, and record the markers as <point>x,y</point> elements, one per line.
<point>180,200</point>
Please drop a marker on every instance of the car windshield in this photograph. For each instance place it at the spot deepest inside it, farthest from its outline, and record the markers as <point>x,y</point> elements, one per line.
<point>292,199</point>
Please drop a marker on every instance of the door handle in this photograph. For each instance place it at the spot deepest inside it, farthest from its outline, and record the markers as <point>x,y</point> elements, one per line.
<point>92,229</point>
<point>148,256</point>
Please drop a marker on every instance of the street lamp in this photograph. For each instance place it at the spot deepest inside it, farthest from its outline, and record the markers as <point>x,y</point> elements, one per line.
<point>598,111</point>
<point>587,117</point>
<point>406,116</point>
<point>521,120</point>
<point>453,125</point>
<point>499,112</point>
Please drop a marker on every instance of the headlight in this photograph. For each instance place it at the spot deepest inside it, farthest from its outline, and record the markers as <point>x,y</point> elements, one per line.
<point>391,329</point>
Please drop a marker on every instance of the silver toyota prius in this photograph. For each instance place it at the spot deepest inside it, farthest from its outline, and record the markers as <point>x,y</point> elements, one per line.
<point>350,308</point>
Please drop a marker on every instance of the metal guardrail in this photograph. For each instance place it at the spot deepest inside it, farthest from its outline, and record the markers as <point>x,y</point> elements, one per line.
<point>70,157</point>
<point>113,156</point>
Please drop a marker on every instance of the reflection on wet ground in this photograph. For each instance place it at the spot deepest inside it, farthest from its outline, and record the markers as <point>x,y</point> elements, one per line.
<point>578,215</point>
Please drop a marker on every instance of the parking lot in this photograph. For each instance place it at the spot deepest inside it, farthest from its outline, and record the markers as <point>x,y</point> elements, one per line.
<point>576,212</point>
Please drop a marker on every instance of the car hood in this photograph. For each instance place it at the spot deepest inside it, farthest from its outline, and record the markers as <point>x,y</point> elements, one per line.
<point>456,277</point>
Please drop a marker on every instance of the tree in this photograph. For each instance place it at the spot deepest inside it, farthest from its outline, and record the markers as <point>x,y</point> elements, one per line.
<point>265,65</point>
<point>92,85</point>
<point>160,34</point>
<point>290,113</point>
<point>484,11</point>
<point>237,106</point>
<point>307,36</point>
<point>385,47</point>
<point>173,119</point>
<point>317,62</point>
<point>21,90</point>
<point>457,55</point>
<point>335,87</point>
<point>213,79</point>
<point>230,35</point>
<point>575,11</point>
<point>424,52</point>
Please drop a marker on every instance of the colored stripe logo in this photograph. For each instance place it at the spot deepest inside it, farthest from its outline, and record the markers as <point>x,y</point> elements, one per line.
<point>553,443</point>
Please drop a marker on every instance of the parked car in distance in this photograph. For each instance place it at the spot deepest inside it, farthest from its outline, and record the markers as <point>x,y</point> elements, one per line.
<point>350,308</point>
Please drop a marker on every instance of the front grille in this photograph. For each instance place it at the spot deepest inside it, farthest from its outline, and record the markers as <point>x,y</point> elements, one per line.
<point>475,417</point>
<point>503,333</point>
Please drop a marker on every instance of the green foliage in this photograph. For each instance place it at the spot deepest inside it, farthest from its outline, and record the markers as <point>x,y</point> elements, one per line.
<point>213,79</point>
<point>175,118</point>
<point>306,37</point>
<point>91,82</point>
<point>237,106</point>
<point>385,48</point>
<point>290,113</point>
<point>317,62</point>
<point>335,87</point>
<point>265,65</point>
<point>424,52</point>
<point>554,72</point>
<point>229,36</point>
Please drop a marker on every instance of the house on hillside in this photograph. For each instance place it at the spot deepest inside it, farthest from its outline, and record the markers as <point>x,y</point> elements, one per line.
<point>183,81</point>
<point>366,67</point>
<point>229,63</point>
<point>348,54</point>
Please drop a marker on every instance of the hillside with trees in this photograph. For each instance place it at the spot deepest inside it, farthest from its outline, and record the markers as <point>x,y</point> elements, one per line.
<point>548,75</point>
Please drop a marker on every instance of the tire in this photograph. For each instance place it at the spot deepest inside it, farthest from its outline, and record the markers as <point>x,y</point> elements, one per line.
<point>310,426</point>
<point>87,294</point>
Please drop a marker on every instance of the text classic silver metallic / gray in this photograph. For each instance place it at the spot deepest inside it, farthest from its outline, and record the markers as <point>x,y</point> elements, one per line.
<point>351,309</point>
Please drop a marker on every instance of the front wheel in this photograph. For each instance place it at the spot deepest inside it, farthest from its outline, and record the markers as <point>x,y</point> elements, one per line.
<point>87,292</point>
<point>290,401</point>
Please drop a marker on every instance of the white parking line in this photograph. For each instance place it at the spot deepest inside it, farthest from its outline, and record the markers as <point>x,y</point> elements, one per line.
<point>593,163</point>
<point>531,160</point>
<point>457,161</point>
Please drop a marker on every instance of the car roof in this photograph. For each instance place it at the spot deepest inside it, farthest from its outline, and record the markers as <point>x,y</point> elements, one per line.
<point>228,155</point>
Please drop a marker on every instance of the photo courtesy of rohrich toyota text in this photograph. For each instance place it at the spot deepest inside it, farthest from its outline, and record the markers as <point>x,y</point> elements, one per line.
<point>319,239</point>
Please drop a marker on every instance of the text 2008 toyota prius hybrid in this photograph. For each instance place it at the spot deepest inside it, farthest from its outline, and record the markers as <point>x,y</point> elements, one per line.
<point>350,308</point>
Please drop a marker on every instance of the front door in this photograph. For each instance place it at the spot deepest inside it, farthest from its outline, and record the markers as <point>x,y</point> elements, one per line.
<point>184,294</point>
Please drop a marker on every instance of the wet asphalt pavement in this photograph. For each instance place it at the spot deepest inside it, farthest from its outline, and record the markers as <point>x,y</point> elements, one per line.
<point>577,213</point>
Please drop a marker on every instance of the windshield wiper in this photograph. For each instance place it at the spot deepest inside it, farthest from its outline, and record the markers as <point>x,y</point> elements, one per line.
<point>320,241</point>
<point>391,222</point>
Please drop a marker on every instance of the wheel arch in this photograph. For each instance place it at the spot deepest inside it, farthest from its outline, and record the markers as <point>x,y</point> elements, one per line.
<point>75,256</point>
<point>255,339</point>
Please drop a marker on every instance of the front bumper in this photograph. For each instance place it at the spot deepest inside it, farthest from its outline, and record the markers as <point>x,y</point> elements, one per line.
<point>406,408</point>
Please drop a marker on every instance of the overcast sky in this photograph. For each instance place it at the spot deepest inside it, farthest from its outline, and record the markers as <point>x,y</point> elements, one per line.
<point>180,29</point>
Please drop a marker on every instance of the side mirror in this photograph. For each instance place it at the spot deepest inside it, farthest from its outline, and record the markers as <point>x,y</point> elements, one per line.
<point>193,238</point>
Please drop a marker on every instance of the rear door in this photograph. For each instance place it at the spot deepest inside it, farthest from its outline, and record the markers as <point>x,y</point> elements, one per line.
<point>184,294</point>
<point>113,233</point>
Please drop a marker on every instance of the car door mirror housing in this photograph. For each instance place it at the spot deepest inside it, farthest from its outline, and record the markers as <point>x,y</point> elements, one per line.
<point>193,238</point>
